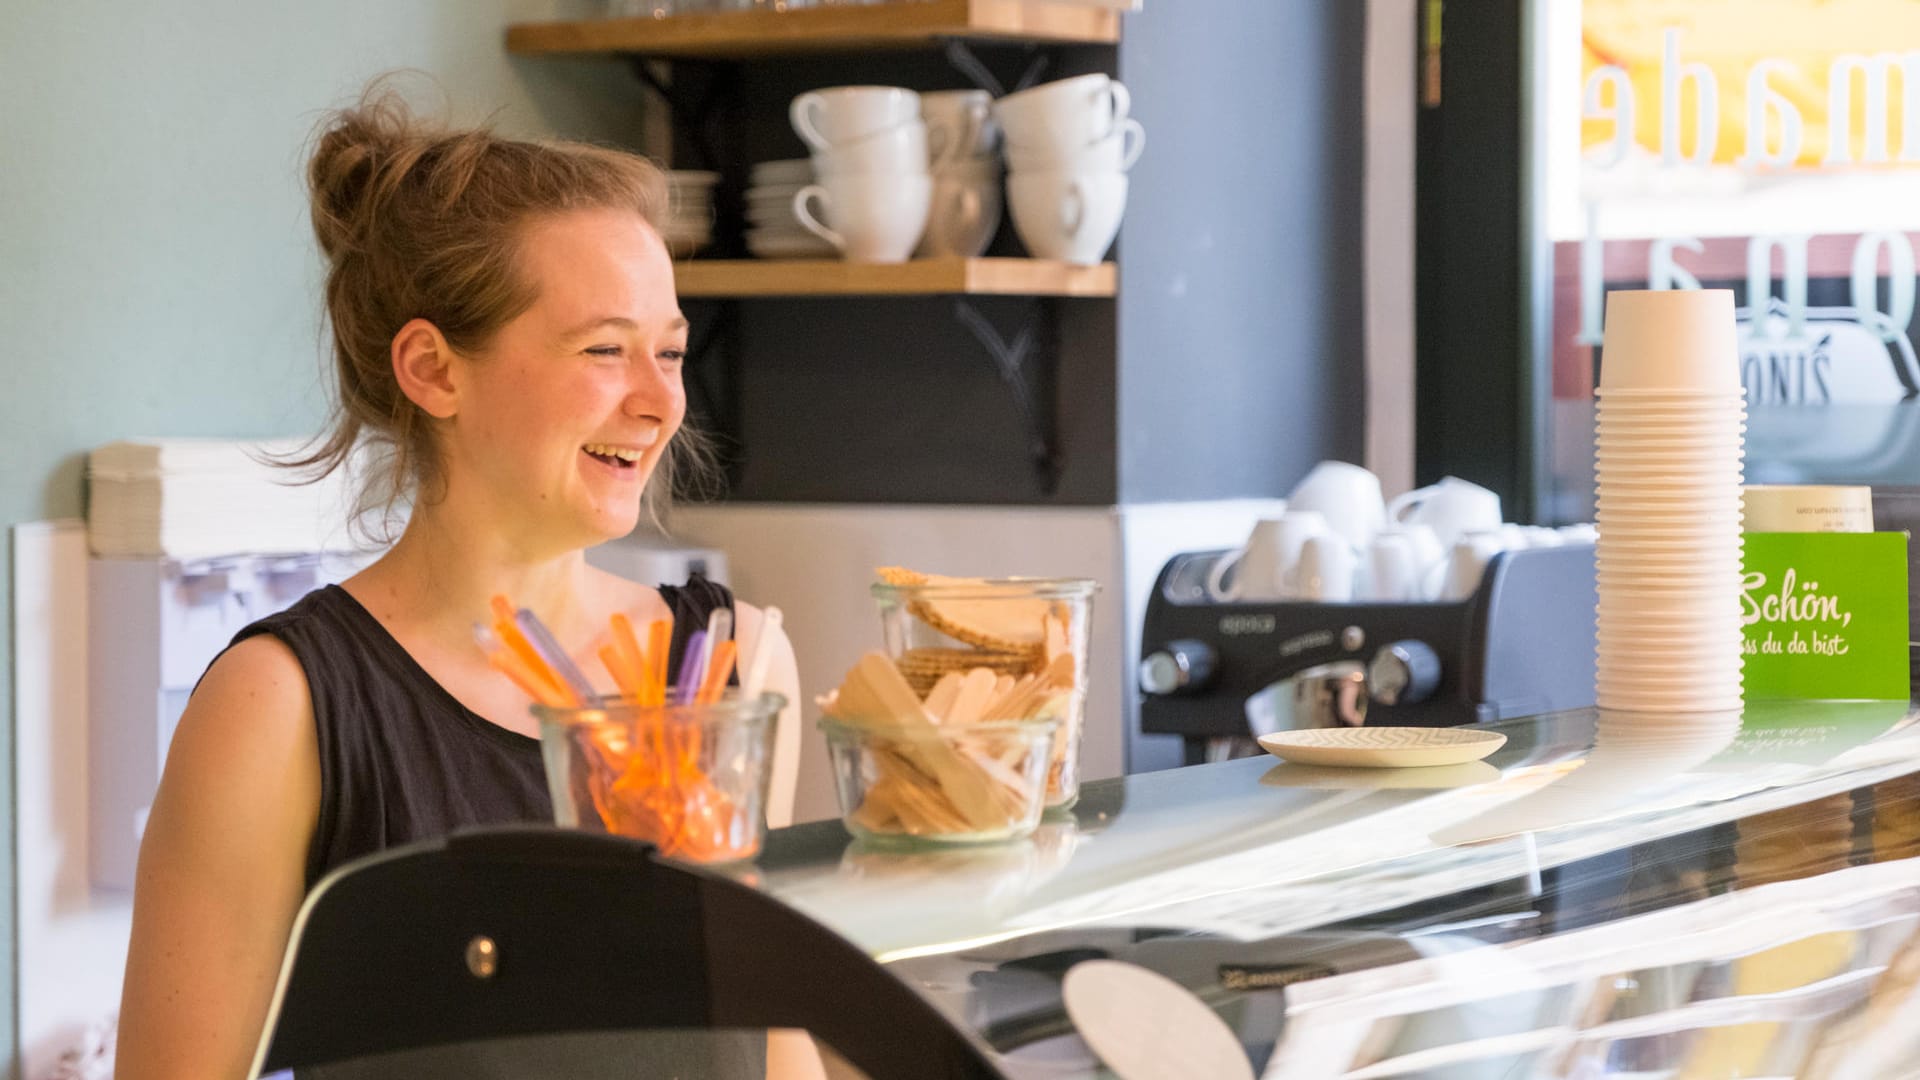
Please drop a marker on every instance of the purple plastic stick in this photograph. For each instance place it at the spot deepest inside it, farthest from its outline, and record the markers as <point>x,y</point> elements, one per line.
<point>691,667</point>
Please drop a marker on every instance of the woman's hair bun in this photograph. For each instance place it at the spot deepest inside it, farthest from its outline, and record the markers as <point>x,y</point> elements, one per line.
<point>360,157</point>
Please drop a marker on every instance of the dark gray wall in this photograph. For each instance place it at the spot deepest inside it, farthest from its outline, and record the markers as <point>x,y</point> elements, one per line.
<point>1240,263</point>
<point>886,400</point>
<point>1230,362</point>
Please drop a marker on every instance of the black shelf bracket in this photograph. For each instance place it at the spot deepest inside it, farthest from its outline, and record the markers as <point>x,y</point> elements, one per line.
<point>961,57</point>
<point>1015,361</point>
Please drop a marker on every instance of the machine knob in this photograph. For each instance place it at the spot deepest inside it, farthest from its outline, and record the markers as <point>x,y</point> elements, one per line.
<point>1403,673</point>
<point>1177,666</point>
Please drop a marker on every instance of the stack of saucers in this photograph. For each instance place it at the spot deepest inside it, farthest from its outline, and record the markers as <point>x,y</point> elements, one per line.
<point>1670,443</point>
<point>689,210</point>
<point>772,230</point>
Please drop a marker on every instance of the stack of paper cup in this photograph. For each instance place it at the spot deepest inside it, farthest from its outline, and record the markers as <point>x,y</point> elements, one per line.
<point>1671,417</point>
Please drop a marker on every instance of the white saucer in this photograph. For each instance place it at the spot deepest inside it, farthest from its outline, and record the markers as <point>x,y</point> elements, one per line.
<point>1145,1026</point>
<point>1382,747</point>
<point>789,171</point>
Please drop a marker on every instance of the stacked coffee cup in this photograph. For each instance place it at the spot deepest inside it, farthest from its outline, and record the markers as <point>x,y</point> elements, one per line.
<point>873,189</point>
<point>1669,438</point>
<point>961,139</point>
<point>1069,145</point>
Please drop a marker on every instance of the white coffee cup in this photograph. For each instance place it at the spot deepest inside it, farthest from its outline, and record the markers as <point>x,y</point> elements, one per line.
<point>1065,215</point>
<point>964,216</point>
<point>900,149</point>
<point>1347,495</point>
<point>1429,556</point>
<point>1394,573</point>
<point>1266,560</point>
<point>960,125</point>
<point>840,114</point>
<point>1068,112</point>
<point>1468,562</point>
<point>1326,571</point>
<point>1451,507</point>
<point>877,218</point>
<point>1115,153</point>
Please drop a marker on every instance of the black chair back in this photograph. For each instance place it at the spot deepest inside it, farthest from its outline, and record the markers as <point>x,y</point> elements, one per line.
<point>534,930</point>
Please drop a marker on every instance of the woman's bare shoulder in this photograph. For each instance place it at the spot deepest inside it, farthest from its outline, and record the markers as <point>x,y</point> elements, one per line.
<point>249,724</point>
<point>641,603</point>
<point>260,675</point>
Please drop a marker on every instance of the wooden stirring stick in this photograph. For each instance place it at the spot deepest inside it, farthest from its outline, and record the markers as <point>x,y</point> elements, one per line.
<point>718,672</point>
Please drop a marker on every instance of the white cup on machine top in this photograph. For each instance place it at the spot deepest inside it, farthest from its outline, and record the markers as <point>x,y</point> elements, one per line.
<point>1451,507</point>
<point>1348,496</point>
<point>1325,572</point>
<point>1260,569</point>
<point>1468,563</point>
<point>875,218</point>
<point>841,114</point>
<point>1429,555</point>
<point>1069,216</point>
<point>1394,571</point>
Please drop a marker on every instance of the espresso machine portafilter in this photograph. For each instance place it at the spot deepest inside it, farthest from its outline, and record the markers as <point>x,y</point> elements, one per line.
<point>1520,645</point>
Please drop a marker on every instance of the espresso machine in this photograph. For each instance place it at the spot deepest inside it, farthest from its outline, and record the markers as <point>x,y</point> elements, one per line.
<point>1221,673</point>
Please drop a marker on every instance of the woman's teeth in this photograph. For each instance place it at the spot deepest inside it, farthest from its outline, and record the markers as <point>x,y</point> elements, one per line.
<point>614,453</point>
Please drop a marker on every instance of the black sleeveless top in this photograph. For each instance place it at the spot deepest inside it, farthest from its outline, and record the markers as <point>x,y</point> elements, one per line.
<point>401,759</point>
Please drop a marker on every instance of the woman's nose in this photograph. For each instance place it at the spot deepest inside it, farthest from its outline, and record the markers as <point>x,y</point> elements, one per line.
<point>650,389</point>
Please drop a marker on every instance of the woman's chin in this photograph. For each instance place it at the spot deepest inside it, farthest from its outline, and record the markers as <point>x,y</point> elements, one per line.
<point>612,524</point>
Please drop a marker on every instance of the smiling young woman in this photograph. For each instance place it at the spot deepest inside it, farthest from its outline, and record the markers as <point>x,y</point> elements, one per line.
<point>505,327</point>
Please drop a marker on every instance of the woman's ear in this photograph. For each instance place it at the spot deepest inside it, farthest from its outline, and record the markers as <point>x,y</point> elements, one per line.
<point>423,366</point>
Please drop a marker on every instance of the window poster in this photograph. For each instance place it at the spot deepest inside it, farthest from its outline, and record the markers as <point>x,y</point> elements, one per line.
<point>1771,147</point>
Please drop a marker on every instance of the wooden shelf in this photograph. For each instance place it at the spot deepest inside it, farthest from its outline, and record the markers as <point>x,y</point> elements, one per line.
<point>727,278</point>
<point>898,25</point>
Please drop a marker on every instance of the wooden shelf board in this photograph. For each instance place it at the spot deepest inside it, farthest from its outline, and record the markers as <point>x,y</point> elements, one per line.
<point>900,24</point>
<point>722,278</point>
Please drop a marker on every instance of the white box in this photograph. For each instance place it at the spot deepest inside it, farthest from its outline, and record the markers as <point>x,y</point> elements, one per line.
<point>154,625</point>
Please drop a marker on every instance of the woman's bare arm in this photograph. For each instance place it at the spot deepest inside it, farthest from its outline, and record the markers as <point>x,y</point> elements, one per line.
<point>791,1055</point>
<point>222,870</point>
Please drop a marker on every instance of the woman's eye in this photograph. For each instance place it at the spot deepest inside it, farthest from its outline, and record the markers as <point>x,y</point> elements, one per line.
<point>674,356</point>
<point>604,350</point>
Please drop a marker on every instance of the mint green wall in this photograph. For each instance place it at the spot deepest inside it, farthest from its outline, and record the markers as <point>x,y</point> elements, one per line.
<point>157,276</point>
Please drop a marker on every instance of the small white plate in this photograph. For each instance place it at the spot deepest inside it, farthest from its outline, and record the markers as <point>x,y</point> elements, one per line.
<point>1382,747</point>
<point>1145,1026</point>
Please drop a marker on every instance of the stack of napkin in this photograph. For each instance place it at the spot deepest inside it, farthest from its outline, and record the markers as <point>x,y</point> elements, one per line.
<point>192,498</point>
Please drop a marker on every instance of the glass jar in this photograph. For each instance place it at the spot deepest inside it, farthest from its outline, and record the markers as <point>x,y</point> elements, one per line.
<point>1001,624</point>
<point>941,784</point>
<point>689,779</point>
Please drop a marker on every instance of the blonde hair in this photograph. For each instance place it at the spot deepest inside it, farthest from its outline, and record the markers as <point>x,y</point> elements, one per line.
<point>419,220</point>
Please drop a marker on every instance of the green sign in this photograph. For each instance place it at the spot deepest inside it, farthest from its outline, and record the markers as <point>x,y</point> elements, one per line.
<point>1825,615</point>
